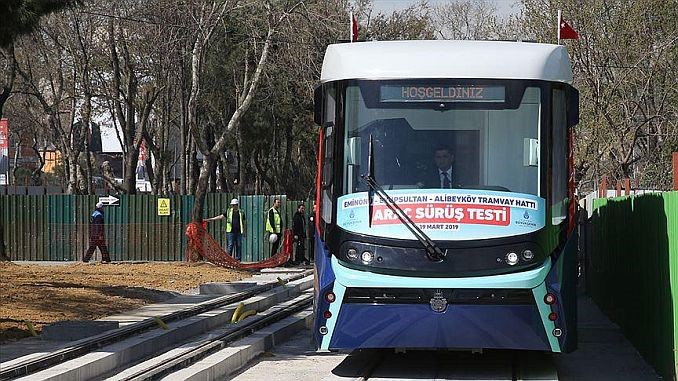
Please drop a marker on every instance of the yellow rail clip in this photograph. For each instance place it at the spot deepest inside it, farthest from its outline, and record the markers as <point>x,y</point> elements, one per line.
<point>246,314</point>
<point>236,313</point>
<point>31,329</point>
<point>161,323</point>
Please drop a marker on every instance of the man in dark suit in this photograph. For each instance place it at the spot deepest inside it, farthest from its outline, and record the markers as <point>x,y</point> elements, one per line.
<point>299,231</point>
<point>443,176</point>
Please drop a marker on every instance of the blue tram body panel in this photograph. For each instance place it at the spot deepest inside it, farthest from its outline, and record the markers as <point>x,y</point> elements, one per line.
<point>504,326</point>
<point>460,326</point>
<point>324,281</point>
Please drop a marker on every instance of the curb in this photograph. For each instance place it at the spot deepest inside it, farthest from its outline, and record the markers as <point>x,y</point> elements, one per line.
<point>241,352</point>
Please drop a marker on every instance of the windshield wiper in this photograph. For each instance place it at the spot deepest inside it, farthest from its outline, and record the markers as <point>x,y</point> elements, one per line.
<point>433,252</point>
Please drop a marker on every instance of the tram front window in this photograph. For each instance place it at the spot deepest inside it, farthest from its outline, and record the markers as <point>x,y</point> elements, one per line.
<point>477,146</point>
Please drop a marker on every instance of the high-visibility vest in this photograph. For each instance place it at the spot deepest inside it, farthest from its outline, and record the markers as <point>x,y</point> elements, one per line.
<point>229,220</point>
<point>276,218</point>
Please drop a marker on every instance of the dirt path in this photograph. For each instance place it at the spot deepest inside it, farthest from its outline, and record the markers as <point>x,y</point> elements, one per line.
<point>44,294</point>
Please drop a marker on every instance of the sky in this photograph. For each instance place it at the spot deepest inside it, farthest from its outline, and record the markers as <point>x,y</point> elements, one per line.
<point>504,7</point>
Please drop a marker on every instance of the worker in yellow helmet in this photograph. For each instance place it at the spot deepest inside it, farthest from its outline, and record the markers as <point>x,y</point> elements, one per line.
<point>235,228</point>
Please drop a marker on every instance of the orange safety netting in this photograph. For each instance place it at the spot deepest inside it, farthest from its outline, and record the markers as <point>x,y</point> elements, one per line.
<point>202,245</point>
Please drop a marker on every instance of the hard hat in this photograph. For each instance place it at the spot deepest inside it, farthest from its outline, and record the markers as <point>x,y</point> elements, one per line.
<point>234,201</point>
<point>272,238</point>
<point>100,205</point>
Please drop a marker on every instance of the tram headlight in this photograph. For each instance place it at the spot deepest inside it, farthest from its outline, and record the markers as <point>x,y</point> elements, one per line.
<point>528,254</point>
<point>549,298</point>
<point>367,256</point>
<point>352,254</point>
<point>511,258</point>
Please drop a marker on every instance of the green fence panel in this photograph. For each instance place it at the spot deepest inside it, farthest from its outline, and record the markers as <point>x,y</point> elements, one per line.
<point>56,227</point>
<point>4,217</point>
<point>59,220</point>
<point>252,243</point>
<point>632,271</point>
<point>22,231</point>
<point>216,204</point>
<point>117,228</point>
<point>671,211</point>
<point>187,202</point>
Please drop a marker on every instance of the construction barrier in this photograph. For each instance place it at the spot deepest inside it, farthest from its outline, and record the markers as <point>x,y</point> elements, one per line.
<point>201,245</point>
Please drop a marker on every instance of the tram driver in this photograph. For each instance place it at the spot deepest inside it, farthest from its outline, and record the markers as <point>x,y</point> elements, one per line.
<point>443,176</point>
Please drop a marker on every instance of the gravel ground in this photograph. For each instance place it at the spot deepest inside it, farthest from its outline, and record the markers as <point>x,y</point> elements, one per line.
<point>45,293</point>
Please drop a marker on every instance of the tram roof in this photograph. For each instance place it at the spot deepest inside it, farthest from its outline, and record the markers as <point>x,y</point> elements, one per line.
<point>446,59</point>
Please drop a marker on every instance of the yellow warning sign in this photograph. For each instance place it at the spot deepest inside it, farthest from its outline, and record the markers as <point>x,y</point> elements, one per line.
<point>163,206</point>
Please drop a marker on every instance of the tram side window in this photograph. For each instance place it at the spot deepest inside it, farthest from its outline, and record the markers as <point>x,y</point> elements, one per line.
<point>559,178</point>
<point>328,157</point>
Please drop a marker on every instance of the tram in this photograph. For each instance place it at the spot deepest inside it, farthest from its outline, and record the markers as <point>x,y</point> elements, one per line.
<point>445,206</point>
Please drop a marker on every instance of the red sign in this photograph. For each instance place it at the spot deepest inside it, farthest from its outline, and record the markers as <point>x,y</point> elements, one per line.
<point>4,151</point>
<point>4,140</point>
<point>142,153</point>
<point>428,213</point>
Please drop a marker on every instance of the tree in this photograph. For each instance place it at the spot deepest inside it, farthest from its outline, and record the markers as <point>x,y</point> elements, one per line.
<point>53,66</point>
<point>473,20</point>
<point>132,91</point>
<point>277,141</point>
<point>624,66</point>
<point>250,81</point>
<point>411,23</point>
<point>19,17</point>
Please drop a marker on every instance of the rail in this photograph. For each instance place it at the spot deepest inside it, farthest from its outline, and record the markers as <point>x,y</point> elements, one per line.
<point>95,342</point>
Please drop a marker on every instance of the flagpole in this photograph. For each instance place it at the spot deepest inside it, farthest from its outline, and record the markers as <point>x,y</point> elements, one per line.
<point>558,26</point>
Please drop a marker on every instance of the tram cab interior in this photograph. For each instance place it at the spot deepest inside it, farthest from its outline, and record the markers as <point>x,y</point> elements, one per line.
<point>493,149</point>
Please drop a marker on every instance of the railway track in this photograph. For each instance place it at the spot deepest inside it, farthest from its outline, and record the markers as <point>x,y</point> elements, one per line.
<point>183,358</point>
<point>112,352</point>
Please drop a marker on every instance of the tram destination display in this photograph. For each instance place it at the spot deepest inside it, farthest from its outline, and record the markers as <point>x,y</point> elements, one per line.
<point>421,93</point>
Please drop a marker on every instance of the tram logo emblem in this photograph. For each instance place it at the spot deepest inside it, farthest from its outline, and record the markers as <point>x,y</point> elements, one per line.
<point>526,215</point>
<point>438,302</point>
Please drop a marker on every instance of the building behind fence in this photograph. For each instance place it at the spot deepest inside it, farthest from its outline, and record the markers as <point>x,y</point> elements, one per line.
<point>56,227</point>
<point>631,251</point>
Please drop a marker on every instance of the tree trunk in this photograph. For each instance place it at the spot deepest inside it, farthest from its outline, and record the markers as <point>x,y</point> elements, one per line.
<point>91,187</point>
<point>72,173</point>
<point>240,170</point>
<point>183,181</point>
<point>15,164</point>
<point>208,165</point>
<point>193,168</point>
<point>150,171</point>
<point>9,75</point>
<point>130,181</point>
<point>222,179</point>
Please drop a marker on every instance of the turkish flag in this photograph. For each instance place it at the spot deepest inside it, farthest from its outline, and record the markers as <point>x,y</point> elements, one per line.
<point>354,28</point>
<point>565,31</point>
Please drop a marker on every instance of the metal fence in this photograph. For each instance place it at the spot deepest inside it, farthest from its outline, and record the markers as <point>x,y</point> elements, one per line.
<point>632,271</point>
<point>56,227</point>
